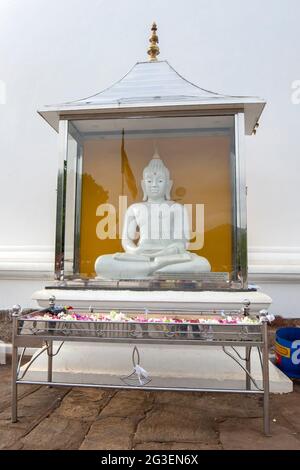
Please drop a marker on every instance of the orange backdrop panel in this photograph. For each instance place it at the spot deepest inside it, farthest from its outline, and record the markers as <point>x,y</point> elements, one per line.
<point>200,170</point>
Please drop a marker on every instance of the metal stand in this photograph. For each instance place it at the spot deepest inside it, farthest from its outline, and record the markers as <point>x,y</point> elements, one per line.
<point>27,335</point>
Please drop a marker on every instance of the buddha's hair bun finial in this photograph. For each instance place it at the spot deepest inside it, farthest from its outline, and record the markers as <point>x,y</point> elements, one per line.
<point>156,155</point>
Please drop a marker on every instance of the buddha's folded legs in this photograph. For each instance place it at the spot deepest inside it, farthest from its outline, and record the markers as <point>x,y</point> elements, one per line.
<point>198,264</point>
<point>108,267</point>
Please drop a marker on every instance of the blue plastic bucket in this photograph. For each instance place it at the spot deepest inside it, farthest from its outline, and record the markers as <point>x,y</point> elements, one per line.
<point>287,351</point>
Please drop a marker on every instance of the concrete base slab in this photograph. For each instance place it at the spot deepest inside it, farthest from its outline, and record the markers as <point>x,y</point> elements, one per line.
<point>126,299</point>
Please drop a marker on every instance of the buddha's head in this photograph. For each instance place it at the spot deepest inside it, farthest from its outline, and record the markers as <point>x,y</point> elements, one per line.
<point>156,183</point>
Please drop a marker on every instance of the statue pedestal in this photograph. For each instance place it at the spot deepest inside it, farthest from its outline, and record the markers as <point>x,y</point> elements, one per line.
<point>105,363</point>
<point>118,299</point>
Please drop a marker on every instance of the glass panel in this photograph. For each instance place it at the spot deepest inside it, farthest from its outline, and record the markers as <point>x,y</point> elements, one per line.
<point>197,167</point>
<point>72,211</point>
<point>70,205</point>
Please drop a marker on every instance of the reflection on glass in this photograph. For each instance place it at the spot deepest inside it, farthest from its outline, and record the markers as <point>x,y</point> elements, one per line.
<point>198,153</point>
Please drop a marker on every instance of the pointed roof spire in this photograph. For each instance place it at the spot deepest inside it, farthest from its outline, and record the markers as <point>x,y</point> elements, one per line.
<point>155,85</point>
<point>153,50</point>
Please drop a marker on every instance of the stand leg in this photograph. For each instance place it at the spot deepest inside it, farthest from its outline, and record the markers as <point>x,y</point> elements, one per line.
<point>266,385</point>
<point>14,388</point>
<point>50,361</point>
<point>248,366</point>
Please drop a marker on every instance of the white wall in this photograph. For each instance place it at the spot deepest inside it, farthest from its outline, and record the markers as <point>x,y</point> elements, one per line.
<point>57,51</point>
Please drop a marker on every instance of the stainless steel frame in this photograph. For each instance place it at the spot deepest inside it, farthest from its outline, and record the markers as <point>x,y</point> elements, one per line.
<point>241,202</point>
<point>226,336</point>
<point>233,157</point>
<point>78,207</point>
<point>62,271</point>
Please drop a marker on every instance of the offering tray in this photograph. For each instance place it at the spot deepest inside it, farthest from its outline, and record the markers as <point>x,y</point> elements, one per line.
<point>57,322</point>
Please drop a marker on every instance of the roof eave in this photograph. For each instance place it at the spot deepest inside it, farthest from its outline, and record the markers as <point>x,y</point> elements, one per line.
<point>251,107</point>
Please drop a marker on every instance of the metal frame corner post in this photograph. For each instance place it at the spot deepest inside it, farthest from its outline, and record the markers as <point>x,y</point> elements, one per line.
<point>14,372</point>
<point>248,366</point>
<point>266,380</point>
<point>241,200</point>
<point>50,361</point>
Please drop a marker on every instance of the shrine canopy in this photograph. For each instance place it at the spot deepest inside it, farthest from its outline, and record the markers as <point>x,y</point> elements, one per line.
<point>151,87</point>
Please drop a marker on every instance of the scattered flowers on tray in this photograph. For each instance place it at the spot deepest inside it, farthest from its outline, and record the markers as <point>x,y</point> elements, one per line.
<point>67,313</point>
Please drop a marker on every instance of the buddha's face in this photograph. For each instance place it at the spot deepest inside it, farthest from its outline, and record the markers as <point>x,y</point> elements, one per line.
<point>155,185</point>
<point>156,181</point>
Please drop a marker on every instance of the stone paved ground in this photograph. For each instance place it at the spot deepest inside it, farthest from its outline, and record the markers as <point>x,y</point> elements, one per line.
<point>78,418</point>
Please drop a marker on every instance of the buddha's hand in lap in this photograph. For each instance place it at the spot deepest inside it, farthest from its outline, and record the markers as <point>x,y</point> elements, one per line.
<point>173,249</point>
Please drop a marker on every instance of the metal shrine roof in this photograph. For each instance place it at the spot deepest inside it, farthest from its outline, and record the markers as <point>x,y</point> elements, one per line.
<point>151,86</point>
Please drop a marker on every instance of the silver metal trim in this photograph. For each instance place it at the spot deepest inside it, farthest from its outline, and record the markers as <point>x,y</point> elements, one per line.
<point>241,201</point>
<point>78,197</point>
<point>233,157</point>
<point>245,369</point>
<point>266,379</point>
<point>137,387</point>
<point>153,113</point>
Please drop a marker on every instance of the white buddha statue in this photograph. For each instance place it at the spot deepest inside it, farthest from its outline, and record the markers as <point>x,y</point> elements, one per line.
<point>155,234</point>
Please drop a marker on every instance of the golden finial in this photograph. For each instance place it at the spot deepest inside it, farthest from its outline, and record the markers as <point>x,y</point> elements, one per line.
<point>153,50</point>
